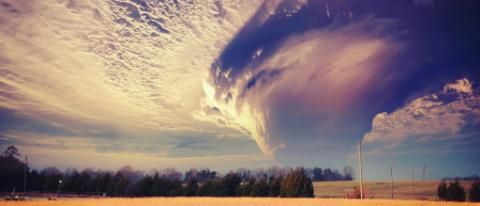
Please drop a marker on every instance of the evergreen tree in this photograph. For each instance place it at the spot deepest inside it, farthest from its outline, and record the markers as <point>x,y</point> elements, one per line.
<point>230,184</point>
<point>474,192</point>
<point>296,184</point>
<point>144,186</point>
<point>245,188</point>
<point>442,191</point>
<point>260,188</point>
<point>455,192</point>
<point>120,184</point>
<point>211,188</point>
<point>192,187</point>
<point>51,177</point>
<point>11,170</point>
<point>274,186</point>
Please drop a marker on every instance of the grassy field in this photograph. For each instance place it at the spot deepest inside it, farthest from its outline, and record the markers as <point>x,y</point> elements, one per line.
<point>381,190</point>
<point>226,202</point>
<point>327,193</point>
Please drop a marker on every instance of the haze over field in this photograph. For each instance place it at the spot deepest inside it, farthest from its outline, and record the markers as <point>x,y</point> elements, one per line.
<point>231,84</point>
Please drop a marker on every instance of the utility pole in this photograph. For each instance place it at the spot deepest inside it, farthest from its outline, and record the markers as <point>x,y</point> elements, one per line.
<point>360,167</point>
<point>25,176</point>
<point>59,187</point>
<point>391,178</point>
<point>423,172</point>
<point>413,179</point>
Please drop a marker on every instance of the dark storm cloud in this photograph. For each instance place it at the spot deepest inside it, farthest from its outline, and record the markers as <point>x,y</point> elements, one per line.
<point>263,78</point>
<point>8,7</point>
<point>11,120</point>
<point>205,145</point>
<point>192,143</point>
<point>442,35</point>
<point>439,42</point>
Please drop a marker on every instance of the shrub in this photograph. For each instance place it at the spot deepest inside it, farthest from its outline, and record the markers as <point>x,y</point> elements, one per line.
<point>296,184</point>
<point>275,184</point>
<point>192,187</point>
<point>455,192</point>
<point>442,190</point>
<point>245,188</point>
<point>230,184</point>
<point>211,188</point>
<point>474,192</point>
<point>260,188</point>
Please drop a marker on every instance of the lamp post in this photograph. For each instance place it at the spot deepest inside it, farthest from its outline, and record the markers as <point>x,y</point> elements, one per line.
<point>59,187</point>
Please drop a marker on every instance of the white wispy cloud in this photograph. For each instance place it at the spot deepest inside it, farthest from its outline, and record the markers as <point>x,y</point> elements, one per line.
<point>119,63</point>
<point>437,116</point>
<point>459,86</point>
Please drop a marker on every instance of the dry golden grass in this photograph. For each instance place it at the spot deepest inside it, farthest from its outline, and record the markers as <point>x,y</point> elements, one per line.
<point>381,190</point>
<point>226,202</point>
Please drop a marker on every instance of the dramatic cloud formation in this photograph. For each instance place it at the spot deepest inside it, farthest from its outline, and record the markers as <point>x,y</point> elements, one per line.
<point>121,63</point>
<point>431,117</point>
<point>314,87</point>
<point>126,73</point>
<point>292,82</point>
<point>301,66</point>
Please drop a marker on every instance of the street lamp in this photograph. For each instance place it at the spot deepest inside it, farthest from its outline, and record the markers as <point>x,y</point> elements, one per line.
<point>59,186</point>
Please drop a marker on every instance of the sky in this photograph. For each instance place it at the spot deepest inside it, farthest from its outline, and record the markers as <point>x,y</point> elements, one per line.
<point>243,84</point>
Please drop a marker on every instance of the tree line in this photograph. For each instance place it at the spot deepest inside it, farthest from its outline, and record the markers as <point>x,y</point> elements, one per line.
<point>274,182</point>
<point>454,191</point>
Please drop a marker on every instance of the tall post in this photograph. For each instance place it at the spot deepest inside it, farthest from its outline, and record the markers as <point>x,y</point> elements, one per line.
<point>423,172</point>
<point>360,168</point>
<point>25,175</point>
<point>413,180</point>
<point>59,187</point>
<point>391,178</point>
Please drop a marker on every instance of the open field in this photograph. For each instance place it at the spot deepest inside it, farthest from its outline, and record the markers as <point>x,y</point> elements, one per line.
<point>225,202</point>
<point>327,193</point>
<point>382,190</point>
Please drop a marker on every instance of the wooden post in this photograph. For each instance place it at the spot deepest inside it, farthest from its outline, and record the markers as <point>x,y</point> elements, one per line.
<point>360,167</point>
<point>25,176</point>
<point>391,178</point>
<point>423,172</point>
<point>413,180</point>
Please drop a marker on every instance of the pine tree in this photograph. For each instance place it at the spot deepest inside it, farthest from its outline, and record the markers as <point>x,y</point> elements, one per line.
<point>474,192</point>
<point>296,184</point>
<point>455,192</point>
<point>442,191</point>
<point>192,187</point>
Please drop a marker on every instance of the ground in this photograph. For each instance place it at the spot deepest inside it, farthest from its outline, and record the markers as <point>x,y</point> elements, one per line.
<point>328,194</point>
<point>420,190</point>
<point>226,202</point>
